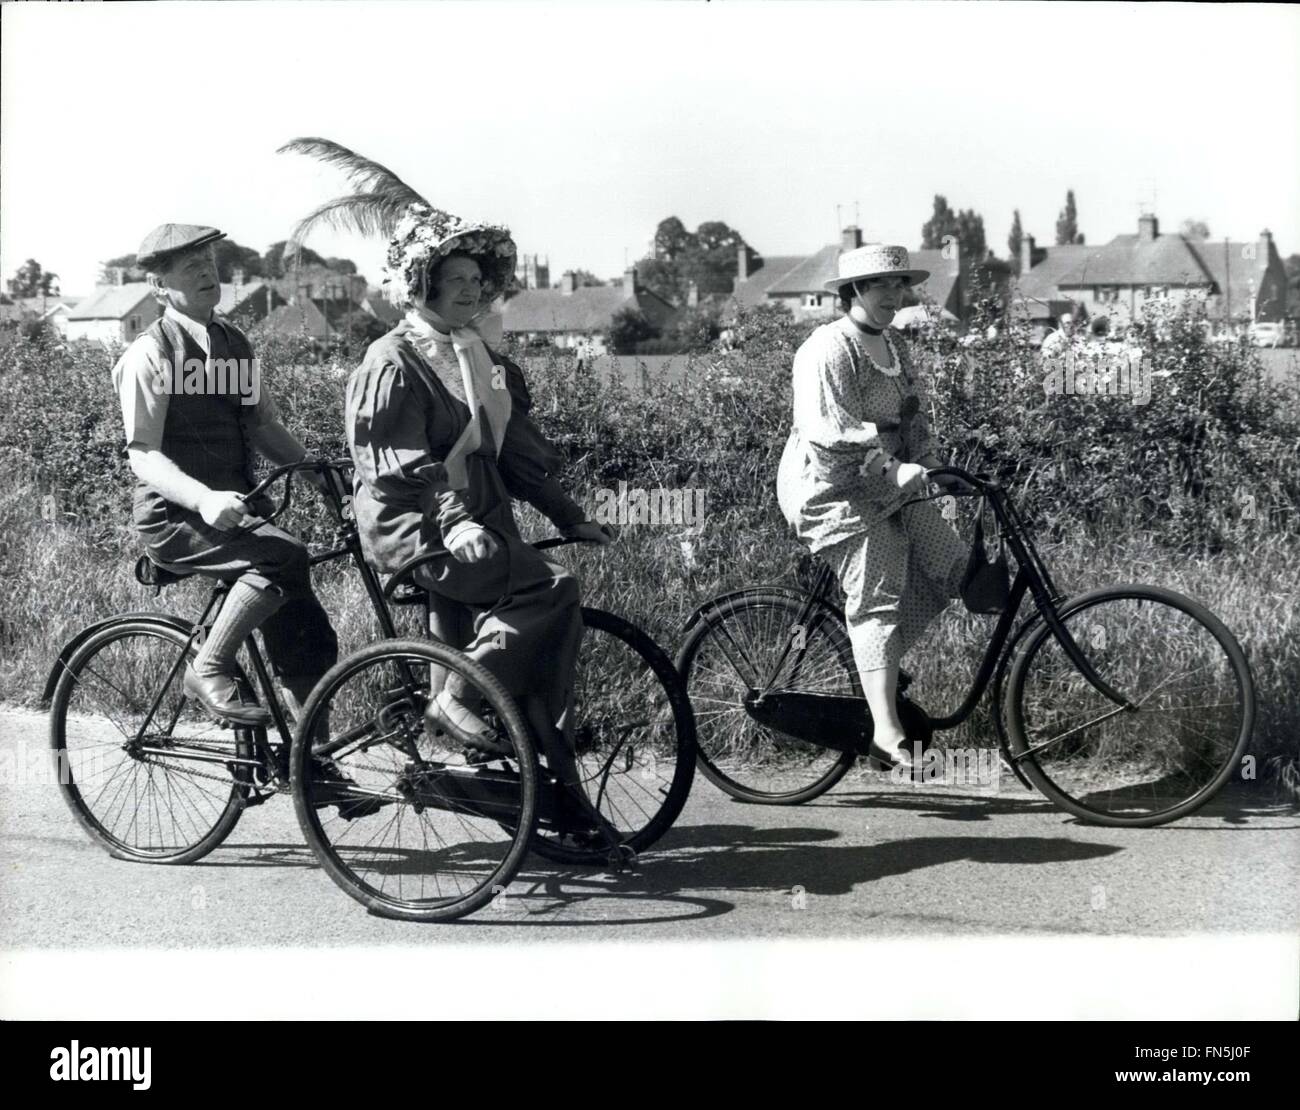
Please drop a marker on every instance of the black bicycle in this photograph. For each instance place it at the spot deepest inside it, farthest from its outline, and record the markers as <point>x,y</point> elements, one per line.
<point>400,816</point>
<point>1127,705</point>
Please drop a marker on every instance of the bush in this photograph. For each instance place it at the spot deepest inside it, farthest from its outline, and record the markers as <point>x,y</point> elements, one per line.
<point>1197,489</point>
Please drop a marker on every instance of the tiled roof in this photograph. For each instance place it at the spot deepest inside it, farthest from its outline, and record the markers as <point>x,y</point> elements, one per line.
<point>1040,282</point>
<point>944,273</point>
<point>1237,273</point>
<point>810,276</point>
<point>754,289</point>
<point>292,319</point>
<point>112,302</point>
<point>229,301</point>
<point>1128,260</point>
<point>589,309</point>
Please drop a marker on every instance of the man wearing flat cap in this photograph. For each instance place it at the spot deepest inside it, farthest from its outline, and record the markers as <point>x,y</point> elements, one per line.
<point>191,434</point>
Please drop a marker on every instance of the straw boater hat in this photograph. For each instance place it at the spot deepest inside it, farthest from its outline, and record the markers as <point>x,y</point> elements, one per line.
<point>875,260</point>
<point>418,233</point>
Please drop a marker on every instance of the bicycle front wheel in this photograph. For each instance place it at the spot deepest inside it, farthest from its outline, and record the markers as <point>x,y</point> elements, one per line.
<point>752,644</point>
<point>143,767</point>
<point>396,813</point>
<point>634,735</point>
<point>1193,707</point>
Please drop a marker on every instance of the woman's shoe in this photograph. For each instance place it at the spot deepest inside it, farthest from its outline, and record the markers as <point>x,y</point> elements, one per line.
<point>888,759</point>
<point>450,715</point>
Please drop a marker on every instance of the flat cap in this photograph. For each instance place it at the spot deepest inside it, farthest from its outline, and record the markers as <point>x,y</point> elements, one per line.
<point>169,238</point>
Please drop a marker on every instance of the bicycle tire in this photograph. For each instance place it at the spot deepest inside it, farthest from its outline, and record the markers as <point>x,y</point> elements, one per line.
<point>773,614</point>
<point>336,859</point>
<point>1192,749</point>
<point>210,814</point>
<point>619,665</point>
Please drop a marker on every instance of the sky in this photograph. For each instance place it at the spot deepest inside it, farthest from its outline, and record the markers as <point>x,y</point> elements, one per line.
<point>581,126</point>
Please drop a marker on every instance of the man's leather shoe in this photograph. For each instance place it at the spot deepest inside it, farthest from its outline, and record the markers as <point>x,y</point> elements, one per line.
<point>221,696</point>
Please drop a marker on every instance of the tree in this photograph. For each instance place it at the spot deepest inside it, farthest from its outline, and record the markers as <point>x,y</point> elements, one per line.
<point>231,257</point>
<point>708,257</point>
<point>672,240</point>
<point>30,280</point>
<point>1014,240</point>
<point>273,262</point>
<point>942,223</point>
<point>341,265</point>
<point>966,227</point>
<point>125,262</point>
<point>584,278</point>
<point>1067,223</point>
<point>629,327</point>
<point>1196,229</point>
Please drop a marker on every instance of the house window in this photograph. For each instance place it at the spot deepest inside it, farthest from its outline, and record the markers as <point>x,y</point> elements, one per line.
<point>1107,294</point>
<point>133,325</point>
<point>812,300</point>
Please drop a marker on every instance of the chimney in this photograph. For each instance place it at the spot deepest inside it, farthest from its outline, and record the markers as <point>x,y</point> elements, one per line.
<point>1026,253</point>
<point>629,283</point>
<point>1148,228</point>
<point>851,238</point>
<point>119,275</point>
<point>1265,245</point>
<point>543,272</point>
<point>744,260</point>
<point>692,295</point>
<point>568,282</point>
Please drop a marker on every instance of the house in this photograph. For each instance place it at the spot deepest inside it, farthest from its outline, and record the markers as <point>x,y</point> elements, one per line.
<point>798,282</point>
<point>113,314</point>
<point>580,316</point>
<point>119,313</point>
<point>300,320</point>
<point>1235,280</point>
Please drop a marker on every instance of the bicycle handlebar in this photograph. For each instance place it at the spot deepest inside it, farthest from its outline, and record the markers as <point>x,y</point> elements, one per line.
<point>337,467</point>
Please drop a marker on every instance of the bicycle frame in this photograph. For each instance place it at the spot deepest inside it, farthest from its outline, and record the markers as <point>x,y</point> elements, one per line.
<point>1032,578</point>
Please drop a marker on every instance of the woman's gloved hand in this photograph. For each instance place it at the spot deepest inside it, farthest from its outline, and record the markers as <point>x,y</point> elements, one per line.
<point>907,474</point>
<point>590,531</point>
<point>473,545</point>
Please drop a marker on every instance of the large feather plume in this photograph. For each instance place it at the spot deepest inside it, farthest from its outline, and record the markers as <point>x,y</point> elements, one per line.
<point>380,200</point>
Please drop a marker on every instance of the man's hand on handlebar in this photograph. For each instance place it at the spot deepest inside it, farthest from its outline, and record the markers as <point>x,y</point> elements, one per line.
<point>225,509</point>
<point>590,532</point>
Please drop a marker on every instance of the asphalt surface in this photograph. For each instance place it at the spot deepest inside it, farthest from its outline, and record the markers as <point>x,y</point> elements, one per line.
<point>870,859</point>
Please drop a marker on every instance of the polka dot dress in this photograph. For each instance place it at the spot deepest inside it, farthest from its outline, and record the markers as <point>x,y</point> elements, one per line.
<point>898,567</point>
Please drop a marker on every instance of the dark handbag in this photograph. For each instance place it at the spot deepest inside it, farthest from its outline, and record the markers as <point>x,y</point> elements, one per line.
<point>986,586</point>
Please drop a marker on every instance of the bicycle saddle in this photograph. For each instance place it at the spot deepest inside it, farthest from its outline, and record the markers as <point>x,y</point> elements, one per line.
<point>158,575</point>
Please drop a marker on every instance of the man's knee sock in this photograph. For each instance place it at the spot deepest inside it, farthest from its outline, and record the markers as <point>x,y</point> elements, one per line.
<point>245,608</point>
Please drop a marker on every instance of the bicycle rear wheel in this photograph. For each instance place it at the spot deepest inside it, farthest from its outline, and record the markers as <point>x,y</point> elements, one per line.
<point>1186,676</point>
<point>731,654</point>
<point>142,766</point>
<point>634,736</point>
<point>396,815</point>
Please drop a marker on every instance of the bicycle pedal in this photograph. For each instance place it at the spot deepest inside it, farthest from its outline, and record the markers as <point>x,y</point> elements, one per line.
<point>622,858</point>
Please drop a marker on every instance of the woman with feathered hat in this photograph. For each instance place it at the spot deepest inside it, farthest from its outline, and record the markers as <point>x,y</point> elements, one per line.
<point>438,427</point>
<point>859,448</point>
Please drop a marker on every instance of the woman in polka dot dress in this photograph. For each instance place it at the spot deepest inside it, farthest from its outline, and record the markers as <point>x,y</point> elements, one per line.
<point>859,448</point>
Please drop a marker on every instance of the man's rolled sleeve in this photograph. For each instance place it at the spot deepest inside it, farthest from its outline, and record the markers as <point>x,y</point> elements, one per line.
<point>139,378</point>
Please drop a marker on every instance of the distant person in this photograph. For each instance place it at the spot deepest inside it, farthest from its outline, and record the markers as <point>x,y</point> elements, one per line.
<point>1058,342</point>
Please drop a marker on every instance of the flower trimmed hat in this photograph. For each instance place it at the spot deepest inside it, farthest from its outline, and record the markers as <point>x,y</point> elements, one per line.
<point>419,234</point>
<point>425,235</point>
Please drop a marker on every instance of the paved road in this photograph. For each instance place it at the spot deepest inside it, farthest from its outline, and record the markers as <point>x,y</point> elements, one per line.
<point>867,860</point>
